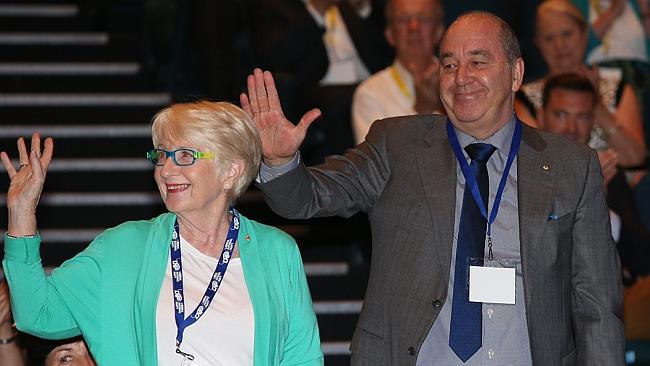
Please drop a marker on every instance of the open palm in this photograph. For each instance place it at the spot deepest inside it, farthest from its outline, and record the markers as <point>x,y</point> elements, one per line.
<point>26,182</point>
<point>281,139</point>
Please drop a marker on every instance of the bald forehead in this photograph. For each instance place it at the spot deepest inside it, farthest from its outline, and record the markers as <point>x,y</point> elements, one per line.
<point>472,22</point>
<point>474,34</point>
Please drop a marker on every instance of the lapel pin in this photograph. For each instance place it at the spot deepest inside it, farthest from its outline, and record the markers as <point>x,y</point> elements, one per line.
<point>546,167</point>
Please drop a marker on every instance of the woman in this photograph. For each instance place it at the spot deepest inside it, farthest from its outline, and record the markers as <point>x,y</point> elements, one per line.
<point>57,352</point>
<point>138,292</point>
<point>72,353</point>
<point>561,36</point>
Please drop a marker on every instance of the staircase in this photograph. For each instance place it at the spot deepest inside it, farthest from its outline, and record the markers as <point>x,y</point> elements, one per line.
<point>75,73</point>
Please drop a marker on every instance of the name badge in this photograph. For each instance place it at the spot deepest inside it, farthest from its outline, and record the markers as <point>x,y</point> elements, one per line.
<point>492,285</point>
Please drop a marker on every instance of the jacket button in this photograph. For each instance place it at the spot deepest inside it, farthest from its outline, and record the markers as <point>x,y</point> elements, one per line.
<point>411,350</point>
<point>436,304</point>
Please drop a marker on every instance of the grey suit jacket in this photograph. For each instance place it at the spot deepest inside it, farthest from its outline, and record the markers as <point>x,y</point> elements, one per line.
<point>404,177</point>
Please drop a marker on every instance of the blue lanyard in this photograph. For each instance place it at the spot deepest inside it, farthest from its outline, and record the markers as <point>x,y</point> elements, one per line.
<point>213,286</point>
<point>470,180</point>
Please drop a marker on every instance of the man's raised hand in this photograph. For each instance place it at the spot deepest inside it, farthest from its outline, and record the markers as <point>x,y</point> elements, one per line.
<point>281,139</point>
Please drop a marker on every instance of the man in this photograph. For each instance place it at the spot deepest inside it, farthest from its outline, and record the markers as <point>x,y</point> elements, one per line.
<point>410,84</point>
<point>568,107</point>
<point>551,232</point>
<point>321,50</point>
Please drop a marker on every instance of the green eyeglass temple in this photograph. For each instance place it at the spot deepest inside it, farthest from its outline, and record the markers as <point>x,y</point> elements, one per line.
<point>155,156</point>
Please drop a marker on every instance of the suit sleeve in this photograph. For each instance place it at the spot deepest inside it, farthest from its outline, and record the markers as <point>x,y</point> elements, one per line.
<point>343,185</point>
<point>596,278</point>
<point>41,304</point>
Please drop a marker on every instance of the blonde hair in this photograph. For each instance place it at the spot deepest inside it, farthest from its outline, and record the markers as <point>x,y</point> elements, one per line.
<point>222,127</point>
<point>563,7</point>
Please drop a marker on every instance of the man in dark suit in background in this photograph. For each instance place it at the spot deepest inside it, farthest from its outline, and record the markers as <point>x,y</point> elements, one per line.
<point>319,51</point>
<point>559,299</point>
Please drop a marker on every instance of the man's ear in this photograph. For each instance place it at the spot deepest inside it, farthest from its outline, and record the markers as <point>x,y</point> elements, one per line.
<point>517,74</point>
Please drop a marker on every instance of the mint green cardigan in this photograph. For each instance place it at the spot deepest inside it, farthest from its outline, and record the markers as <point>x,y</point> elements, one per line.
<point>109,293</point>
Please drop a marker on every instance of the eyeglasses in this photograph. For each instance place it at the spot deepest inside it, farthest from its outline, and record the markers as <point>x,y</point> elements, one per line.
<point>181,157</point>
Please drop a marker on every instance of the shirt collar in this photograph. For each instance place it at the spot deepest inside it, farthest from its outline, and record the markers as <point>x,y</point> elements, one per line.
<point>501,139</point>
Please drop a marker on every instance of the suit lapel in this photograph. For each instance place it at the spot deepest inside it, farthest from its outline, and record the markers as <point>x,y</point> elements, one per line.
<point>437,166</point>
<point>535,175</point>
<point>438,172</point>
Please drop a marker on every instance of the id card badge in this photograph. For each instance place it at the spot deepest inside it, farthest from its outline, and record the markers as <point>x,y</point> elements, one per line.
<point>494,282</point>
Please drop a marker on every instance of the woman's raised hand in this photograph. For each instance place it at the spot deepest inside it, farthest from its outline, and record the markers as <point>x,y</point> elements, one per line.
<point>26,183</point>
<point>280,138</point>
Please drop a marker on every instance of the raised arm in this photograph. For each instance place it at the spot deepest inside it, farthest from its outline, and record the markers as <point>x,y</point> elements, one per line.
<point>26,184</point>
<point>30,290</point>
<point>281,139</point>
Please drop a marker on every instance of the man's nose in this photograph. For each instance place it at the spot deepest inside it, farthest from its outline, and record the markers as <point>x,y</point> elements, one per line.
<point>572,127</point>
<point>413,23</point>
<point>463,75</point>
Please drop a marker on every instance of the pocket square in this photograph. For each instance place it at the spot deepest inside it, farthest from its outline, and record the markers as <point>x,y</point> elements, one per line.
<point>552,217</point>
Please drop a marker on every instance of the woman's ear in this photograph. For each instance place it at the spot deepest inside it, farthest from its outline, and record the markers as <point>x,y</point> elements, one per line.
<point>236,170</point>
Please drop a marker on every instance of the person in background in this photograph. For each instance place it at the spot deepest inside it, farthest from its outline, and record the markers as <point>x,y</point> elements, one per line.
<point>561,36</point>
<point>410,84</point>
<point>568,109</point>
<point>618,37</point>
<point>70,354</point>
<point>320,51</point>
<point>40,352</point>
<point>57,352</point>
<point>10,352</point>
<point>200,283</point>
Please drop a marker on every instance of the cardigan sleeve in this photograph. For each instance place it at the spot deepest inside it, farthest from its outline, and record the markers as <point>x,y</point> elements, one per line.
<point>302,344</point>
<point>42,304</point>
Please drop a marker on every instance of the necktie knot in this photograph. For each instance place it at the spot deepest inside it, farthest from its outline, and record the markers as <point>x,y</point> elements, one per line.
<point>480,152</point>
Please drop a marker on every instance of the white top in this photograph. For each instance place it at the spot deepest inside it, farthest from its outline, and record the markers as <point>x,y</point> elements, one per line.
<point>380,96</point>
<point>345,65</point>
<point>624,40</point>
<point>223,336</point>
